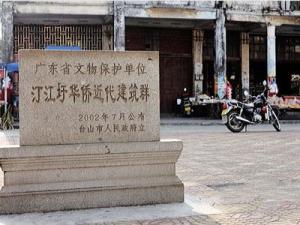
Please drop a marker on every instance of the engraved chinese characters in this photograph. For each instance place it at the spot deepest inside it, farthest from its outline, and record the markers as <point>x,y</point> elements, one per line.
<point>90,68</point>
<point>88,96</point>
<point>90,92</point>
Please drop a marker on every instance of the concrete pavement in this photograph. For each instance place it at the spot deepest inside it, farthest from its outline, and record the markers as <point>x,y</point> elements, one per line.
<point>199,121</point>
<point>245,178</point>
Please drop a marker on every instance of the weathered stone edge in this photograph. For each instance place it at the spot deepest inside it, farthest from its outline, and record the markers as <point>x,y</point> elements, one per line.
<point>85,149</point>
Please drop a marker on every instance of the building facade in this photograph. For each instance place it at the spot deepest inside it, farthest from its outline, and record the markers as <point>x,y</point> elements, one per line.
<point>201,43</point>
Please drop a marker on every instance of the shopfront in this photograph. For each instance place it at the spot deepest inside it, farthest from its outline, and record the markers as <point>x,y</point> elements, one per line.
<point>288,66</point>
<point>87,37</point>
<point>176,56</point>
<point>176,66</point>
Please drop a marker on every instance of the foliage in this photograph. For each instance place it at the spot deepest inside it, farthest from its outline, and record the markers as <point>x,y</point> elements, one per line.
<point>6,120</point>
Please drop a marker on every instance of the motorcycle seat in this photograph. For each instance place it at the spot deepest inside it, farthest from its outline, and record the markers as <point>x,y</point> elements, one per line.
<point>249,105</point>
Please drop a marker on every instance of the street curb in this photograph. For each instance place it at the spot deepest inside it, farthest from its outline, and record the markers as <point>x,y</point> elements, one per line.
<point>199,123</point>
<point>190,124</point>
<point>289,121</point>
<point>212,123</point>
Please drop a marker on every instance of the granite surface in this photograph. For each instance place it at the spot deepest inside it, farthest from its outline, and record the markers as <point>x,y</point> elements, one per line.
<point>69,97</point>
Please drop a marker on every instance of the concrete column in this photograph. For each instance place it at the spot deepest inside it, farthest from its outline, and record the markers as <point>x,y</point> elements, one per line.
<point>198,61</point>
<point>285,5</point>
<point>107,37</point>
<point>220,54</point>
<point>288,5</point>
<point>245,61</point>
<point>119,26</point>
<point>6,37</point>
<point>271,52</point>
<point>1,37</point>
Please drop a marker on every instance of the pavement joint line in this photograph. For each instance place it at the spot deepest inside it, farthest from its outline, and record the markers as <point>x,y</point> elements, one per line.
<point>265,160</point>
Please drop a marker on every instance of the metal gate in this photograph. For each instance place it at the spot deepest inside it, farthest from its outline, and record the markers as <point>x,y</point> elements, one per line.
<point>175,48</point>
<point>88,37</point>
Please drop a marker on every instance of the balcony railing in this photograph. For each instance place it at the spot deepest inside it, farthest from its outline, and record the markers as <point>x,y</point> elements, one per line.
<point>240,5</point>
<point>174,3</point>
<point>295,6</point>
<point>252,6</point>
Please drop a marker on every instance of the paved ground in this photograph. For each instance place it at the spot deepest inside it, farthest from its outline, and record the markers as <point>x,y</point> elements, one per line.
<point>251,178</point>
<point>246,178</point>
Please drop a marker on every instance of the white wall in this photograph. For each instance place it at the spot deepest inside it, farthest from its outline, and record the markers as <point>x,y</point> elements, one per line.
<point>1,36</point>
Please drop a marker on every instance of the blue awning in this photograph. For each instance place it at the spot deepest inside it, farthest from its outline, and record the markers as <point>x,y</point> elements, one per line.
<point>12,67</point>
<point>63,48</point>
<point>2,66</point>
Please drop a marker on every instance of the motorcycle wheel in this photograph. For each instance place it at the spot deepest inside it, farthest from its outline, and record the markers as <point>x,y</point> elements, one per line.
<point>233,124</point>
<point>275,121</point>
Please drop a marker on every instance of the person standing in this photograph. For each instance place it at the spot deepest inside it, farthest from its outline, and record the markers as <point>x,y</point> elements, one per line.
<point>273,87</point>
<point>228,90</point>
<point>15,82</point>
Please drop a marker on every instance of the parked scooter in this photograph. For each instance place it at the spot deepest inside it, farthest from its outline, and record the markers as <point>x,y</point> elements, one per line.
<point>236,115</point>
<point>186,104</point>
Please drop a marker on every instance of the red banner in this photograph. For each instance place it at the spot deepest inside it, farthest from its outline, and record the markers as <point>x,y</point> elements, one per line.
<point>1,73</point>
<point>286,102</point>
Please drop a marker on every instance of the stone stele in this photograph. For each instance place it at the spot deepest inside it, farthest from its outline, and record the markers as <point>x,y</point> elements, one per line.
<point>88,97</point>
<point>89,134</point>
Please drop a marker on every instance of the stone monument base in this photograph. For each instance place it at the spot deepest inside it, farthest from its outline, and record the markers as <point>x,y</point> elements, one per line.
<point>80,176</point>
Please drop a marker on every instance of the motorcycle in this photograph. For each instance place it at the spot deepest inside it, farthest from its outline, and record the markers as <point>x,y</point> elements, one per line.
<point>186,104</point>
<point>237,115</point>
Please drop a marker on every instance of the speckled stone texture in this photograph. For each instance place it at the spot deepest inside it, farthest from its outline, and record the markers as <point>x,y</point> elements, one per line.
<point>89,134</point>
<point>78,176</point>
<point>88,96</point>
